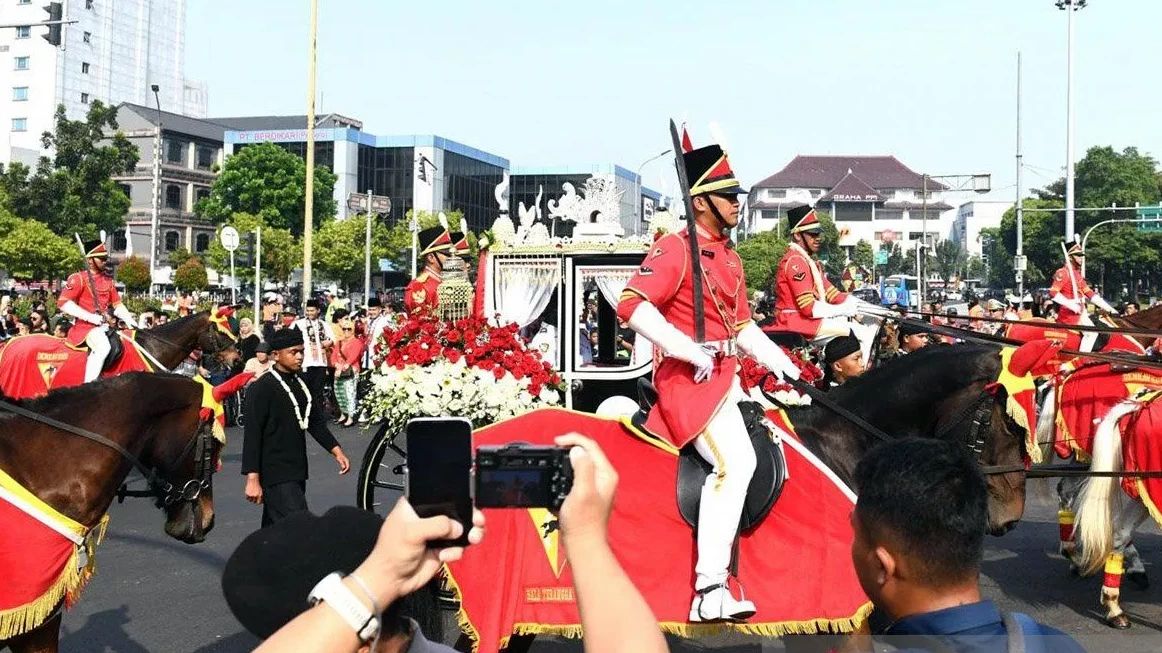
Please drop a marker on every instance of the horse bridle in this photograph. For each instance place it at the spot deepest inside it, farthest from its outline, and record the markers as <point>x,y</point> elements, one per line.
<point>975,440</point>
<point>165,493</point>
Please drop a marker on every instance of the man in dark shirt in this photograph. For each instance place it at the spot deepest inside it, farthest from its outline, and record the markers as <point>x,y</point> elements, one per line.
<point>279,411</point>
<point>919,528</point>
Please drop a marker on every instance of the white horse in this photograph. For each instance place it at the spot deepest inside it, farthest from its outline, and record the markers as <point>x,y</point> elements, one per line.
<point>1106,519</point>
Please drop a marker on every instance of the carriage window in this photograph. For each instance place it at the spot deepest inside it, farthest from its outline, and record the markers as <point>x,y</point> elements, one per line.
<point>602,341</point>
<point>542,334</point>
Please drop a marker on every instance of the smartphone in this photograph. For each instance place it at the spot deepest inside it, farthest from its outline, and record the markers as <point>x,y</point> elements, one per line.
<point>439,471</point>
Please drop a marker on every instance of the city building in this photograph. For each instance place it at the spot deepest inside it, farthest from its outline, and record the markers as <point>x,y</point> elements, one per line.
<point>872,198</point>
<point>113,53</point>
<point>971,218</point>
<point>191,156</point>
<point>526,182</point>
<point>424,172</point>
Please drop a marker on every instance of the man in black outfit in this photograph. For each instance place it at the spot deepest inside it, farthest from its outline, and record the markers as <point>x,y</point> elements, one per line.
<point>279,411</point>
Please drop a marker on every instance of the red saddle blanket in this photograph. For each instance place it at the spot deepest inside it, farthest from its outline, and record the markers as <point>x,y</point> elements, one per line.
<point>1087,395</point>
<point>1142,452</point>
<point>32,365</point>
<point>796,565</point>
<point>1068,339</point>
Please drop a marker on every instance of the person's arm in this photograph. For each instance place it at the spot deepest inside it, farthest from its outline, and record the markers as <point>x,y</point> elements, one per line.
<point>614,614</point>
<point>257,407</point>
<point>400,564</point>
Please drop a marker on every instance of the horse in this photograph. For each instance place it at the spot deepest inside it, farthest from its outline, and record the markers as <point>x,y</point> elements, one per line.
<point>945,391</point>
<point>940,391</point>
<point>1149,318</point>
<point>53,457</point>
<point>1126,438</point>
<point>32,365</point>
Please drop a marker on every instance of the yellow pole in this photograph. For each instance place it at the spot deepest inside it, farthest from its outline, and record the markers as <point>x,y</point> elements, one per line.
<point>309,201</point>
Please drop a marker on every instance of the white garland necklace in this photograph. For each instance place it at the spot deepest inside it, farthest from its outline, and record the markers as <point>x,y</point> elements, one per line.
<point>306,416</point>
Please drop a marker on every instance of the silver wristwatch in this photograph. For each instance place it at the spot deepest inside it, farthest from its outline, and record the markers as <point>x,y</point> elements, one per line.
<point>343,601</point>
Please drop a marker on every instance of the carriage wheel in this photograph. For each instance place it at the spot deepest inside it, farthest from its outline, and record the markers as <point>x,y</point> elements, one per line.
<point>381,473</point>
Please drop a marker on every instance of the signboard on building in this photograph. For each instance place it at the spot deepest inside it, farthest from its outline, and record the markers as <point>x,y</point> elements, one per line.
<point>282,136</point>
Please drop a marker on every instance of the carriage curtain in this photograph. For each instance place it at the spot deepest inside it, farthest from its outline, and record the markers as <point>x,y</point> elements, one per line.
<point>611,281</point>
<point>524,288</point>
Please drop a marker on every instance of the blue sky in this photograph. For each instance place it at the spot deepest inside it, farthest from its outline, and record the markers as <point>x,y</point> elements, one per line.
<point>549,82</point>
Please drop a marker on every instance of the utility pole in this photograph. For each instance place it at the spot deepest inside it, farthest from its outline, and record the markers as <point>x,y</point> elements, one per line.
<point>1020,266</point>
<point>309,200</point>
<point>1069,6</point>
<point>367,253</point>
<point>258,276</point>
<point>155,217</point>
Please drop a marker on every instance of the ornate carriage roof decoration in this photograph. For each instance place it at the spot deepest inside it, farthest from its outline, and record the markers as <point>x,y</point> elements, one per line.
<point>595,211</point>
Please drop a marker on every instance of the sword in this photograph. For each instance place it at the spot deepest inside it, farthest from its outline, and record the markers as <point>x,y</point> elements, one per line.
<point>692,230</point>
<point>89,277</point>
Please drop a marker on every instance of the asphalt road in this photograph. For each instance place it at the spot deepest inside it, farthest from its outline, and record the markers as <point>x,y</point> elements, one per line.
<point>152,593</point>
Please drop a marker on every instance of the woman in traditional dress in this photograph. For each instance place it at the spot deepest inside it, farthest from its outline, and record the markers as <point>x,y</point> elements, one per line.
<point>345,357</point>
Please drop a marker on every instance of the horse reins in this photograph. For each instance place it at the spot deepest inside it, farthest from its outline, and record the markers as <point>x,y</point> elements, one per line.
<point>164,491</point>
<point>1130,330</point>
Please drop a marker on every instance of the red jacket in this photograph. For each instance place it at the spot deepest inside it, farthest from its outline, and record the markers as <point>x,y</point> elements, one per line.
<point>420,295</point>
<point>77,290</point>
<point>797,288</point>
<point>1063,285</point>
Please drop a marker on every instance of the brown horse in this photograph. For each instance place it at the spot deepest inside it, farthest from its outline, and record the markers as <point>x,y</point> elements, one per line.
<point>79,477</point>
<point>1150,318</point>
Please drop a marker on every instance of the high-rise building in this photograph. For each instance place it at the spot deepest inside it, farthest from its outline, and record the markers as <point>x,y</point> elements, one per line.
<point>113,53</point>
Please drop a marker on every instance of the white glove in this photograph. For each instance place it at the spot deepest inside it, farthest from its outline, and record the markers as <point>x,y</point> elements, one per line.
<point>753,341</point>
<point>71,308</point>
<point>125,316</point>
<point>1103,304</point>
<point>868,308</point>
<point>1071,304</point>
<point>822,310</point>
<point>647,321</point>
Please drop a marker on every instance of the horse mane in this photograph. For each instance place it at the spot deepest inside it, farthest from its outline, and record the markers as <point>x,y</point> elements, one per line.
<point>164,330</point>
<point>76,395</point>
<point>935,369</point>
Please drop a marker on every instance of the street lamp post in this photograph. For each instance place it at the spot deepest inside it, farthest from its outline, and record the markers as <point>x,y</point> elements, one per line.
<point>1069,6</point>
<point>978,183</point>
<point>154,218</point>
<point>637,212</point>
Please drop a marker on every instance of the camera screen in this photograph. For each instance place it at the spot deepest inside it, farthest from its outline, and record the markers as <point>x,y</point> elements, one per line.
<point>512,488</point>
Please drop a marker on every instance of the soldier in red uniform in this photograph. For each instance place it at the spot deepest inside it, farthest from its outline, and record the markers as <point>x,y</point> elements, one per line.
<point>806,302</point>
<point>1070,292</point>
<point>698,385</point>
<point>89,297</point>
<point>420,296</point>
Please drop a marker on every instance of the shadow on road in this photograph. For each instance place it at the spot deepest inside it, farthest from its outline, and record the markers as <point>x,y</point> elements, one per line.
<point>236,643</point>
<point>201,555</point>
<point>102,631</point>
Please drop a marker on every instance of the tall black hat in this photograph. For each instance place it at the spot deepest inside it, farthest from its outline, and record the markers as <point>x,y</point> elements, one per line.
<point>95,249</point>
<point>802,218</point>
<point>708,171</point>
<point>434,239</point>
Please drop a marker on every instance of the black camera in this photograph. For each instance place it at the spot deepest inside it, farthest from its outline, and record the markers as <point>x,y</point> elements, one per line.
<point>522,475</point>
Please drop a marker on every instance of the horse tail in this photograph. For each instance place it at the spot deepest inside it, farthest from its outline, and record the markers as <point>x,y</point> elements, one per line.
<point>1101,496</point>
<point>1044,437</point>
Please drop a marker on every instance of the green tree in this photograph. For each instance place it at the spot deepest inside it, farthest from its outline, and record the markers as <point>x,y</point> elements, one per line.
<point>1042,240</point>
<point>976,268</point>
<point>898,263</point>
<point>998,260</point>
<point>191,275</point>
<point>863,255</point>
<point>179,255</point>
<point>949,260</point>
<point>74,190</point>
<point>134,273</point>
<point>267,181</point>
<point>760,256</point>
<point>830,252</point>
<point>281,251</point>
<point>30,250</point>
<point>339,248</point>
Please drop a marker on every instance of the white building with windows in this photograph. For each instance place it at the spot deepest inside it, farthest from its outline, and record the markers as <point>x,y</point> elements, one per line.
<point>114,52</point>
<point>872,198</point>
<point>971,218</point>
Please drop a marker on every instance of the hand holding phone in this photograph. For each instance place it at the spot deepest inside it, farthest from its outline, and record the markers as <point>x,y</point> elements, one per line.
<point>439,477</point>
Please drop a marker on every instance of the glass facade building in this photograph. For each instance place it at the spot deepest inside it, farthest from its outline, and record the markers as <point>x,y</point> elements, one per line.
<point>388,171</point>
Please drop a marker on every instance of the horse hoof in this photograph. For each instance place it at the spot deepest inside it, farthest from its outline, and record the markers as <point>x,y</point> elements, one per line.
<point>1140,580</point>
<point>1120,622</point>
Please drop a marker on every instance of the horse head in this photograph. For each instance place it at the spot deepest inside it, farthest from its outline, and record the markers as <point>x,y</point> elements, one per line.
<point>186,459</point>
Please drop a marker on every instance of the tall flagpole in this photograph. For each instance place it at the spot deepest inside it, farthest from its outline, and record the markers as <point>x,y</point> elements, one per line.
<point>309,200</point>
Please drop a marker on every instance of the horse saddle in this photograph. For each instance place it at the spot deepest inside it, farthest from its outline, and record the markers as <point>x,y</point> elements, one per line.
<point>765,486</point>
<point>116,350</point>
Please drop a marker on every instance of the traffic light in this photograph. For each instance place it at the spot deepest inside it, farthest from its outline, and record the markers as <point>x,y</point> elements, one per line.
<point>55,13</point>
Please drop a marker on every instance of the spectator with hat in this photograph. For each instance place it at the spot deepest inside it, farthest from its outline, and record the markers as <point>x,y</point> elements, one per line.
<point>842,360</point>
<point>919,526</point>
<point>280,410</point>
<point>911,337</point>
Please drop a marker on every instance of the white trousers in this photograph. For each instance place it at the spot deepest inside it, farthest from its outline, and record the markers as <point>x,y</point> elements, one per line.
<point>98,341</point>
<point>726,445</point>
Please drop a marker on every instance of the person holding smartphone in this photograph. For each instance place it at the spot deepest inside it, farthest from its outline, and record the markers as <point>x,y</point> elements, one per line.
<point>267,595</point>
<point>280,410</point>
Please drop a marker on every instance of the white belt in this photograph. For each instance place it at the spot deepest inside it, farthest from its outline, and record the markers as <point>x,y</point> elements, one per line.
<point>724,347</point>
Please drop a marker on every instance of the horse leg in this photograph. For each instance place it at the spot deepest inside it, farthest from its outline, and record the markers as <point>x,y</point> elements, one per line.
<point>45,638</point>
<point>1132,517</point>
<point>1111,589</point>
<point>1067,490</point>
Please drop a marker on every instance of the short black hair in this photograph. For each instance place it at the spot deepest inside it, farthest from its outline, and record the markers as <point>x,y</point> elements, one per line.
<point>928,497</point>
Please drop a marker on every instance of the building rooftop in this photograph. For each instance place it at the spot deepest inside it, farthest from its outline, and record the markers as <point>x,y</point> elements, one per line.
<point>852,189</point>
<point>175,122</point>
<point>878,172</point>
